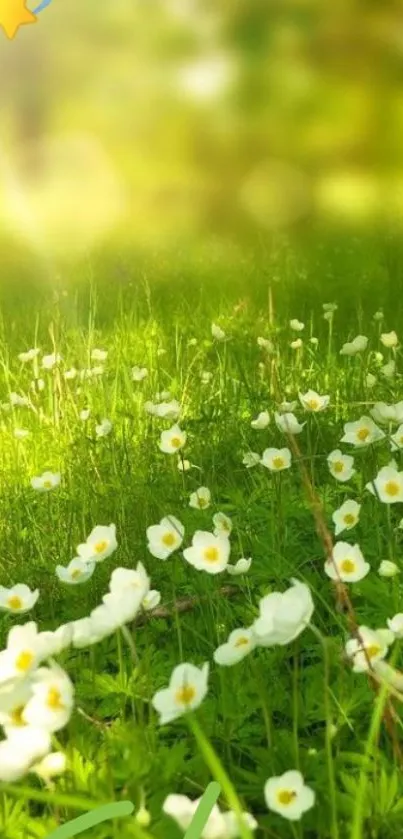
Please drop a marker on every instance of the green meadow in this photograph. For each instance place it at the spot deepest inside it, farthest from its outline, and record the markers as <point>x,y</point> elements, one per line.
<point>156,391</point>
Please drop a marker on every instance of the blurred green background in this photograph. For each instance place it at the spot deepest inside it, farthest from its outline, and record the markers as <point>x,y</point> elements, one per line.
<point>183,131</point>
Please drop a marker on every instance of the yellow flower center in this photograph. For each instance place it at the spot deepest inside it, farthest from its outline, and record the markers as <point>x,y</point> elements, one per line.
<point>347,566</point>
<point>392,488</point>
<point>47,484</point>
<point>313,404</point>
<point>363,434</point>
<point>24,660</point>
<point>349,518</point>
<point>168,540</point>
<point>211,554</point>
<point>14,602</point>
<point>185,694</point>
<point>16,716</point>
<point>54,699</point>
<point>202,502</point>
<point>278,462</point>
<point>75,575</point>
<point>242,641</point>
<point>373,650</point>
<point>176,442</point>
<point>286,796</point>
<point>100,547</point>
<point>338,466</point>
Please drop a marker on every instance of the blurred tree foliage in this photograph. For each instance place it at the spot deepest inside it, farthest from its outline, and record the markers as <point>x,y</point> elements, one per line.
<point>186,121</point>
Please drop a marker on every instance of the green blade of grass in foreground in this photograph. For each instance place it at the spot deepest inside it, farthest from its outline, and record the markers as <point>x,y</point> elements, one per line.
<point>203,811</point>
<point>125,808</point>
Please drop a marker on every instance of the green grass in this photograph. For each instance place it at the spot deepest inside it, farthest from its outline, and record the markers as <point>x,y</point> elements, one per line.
<point>297,706</point>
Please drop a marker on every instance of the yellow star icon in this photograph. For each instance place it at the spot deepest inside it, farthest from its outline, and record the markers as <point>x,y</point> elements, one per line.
<point>13,14</point>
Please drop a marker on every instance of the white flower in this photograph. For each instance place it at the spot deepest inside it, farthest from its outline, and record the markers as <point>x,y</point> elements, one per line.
<point>328,316</point>
<point>313,402</point>
<point>50,766</point>
<point>184,465</point>
<point>288,423</point>
<point>218,826</point>
<point>276,459</point>
<point>21,750</point>
<point>288,795</point>
<point>200,499</point>
<point>283,616</point>
<point>46,481</point>
<point>314,341</point>
<point>388,569</point>
<point>329,307</point>
<point>217,332</point>
<point>70,375</point>
<point>206,377</point>
<point>395,625</point>
<point>100,544</point>
<point>378,316</point>
<point>12,704</point>
<point>362,432</point>
<point>91,630</point>
<point>389,339</point>
<point>371,647</point>
<point>222,524</point>
<point>151,600</point>
<point>103,428</point>
<point>99,355</point>
<point>84,415</point>
<point>30,355</point>
<point>346,516</point>
<point>76,572</point>
<point>186,691</point>
<point>239,644</point>
<point>388,485</point>
<point>18,599</point>
<point>166,537</point>
<point>261,421</point>
<point>167,410</point>
<point>128,588</point>
<point>22,654</point>
<point>51,704</point>
<point>139,373</point>
<point>21,433</point>
<point>387,414</point>
<point>265,344</point>
<point>173,440</point>
<point>388,674</point>
<point>287,407</point>
<point>53,643</point>
<point>208,552</point>
<point>370,380</point>
<point>297,344</point>
<point>125,579</point>
<point>388,370</point>
<point>357,345</point>
<point>50,361</point>
<point>349,562</point>
<point>18,401</point>
<point>340,465</point>
<point>241,566</point>
<point>251,459</point>
<point>296,325</point>
<point>397,439</point>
